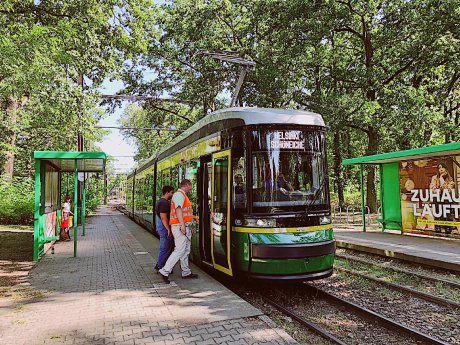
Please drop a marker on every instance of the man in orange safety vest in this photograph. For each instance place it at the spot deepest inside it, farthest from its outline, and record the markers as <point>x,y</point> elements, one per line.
<point>181,217</point>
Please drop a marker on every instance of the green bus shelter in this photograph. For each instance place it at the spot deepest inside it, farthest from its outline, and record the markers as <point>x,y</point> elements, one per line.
<point>419,189</point>
<point>49,167</point>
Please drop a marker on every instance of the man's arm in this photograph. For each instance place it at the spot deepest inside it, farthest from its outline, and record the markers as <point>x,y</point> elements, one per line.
<point>164,220</point>
<point>181,219</point>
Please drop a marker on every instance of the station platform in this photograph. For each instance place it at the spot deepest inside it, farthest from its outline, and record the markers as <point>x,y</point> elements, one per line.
<point>109,294</point>
<point>436,252</point>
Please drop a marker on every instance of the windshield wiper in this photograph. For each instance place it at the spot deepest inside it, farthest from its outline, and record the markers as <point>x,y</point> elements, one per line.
<point>317,193</point>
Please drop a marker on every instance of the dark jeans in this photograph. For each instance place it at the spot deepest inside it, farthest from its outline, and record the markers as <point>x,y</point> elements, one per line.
<point>166,243</point>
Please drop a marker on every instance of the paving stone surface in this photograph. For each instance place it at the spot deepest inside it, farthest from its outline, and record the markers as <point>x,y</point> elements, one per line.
<point>109,294</point>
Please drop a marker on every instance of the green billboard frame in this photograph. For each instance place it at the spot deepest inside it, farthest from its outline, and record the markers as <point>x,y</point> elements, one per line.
<point>62,162</point>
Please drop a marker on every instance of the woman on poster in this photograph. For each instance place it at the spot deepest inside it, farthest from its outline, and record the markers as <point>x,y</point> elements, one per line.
<point>441,181</point>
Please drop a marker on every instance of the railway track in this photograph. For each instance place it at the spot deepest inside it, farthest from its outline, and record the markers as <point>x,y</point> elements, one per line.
<point>427,297</point>
<point>399,270</point>
<point>424,334</point>
<point>372,315</point>
<point>368,315</point>
<point>304,322</point>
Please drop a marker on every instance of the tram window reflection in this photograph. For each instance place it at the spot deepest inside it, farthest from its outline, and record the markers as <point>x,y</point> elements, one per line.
<point>287,178</point>
<point>239,183</point>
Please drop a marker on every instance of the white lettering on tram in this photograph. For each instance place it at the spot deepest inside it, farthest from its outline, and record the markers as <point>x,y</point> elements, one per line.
<point>287,140</point>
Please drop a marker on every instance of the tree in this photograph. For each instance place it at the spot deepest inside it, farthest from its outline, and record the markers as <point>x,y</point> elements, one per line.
<point>46,46</point>
<point>364,65</point>
<point>162,116</point>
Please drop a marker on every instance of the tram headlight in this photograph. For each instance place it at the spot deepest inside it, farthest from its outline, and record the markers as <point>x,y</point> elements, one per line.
<point>325,220</point>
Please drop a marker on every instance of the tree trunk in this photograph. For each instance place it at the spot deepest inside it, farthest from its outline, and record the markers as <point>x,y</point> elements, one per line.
<point>338,171</point>
<point>371,195</point>
<point>12,115</point>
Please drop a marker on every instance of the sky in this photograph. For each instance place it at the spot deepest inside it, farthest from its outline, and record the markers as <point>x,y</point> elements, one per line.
<point>114,144</point>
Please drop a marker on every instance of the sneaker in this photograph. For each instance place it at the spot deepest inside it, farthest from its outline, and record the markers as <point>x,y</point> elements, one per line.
<point>165,279</point>
<point>191,276</point>
<point>157,269</point>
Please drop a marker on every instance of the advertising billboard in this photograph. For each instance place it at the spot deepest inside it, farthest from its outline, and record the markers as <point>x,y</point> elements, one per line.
<point>430,198</point>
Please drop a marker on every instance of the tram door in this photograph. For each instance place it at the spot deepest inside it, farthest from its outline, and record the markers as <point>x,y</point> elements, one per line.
<point>220,212</point>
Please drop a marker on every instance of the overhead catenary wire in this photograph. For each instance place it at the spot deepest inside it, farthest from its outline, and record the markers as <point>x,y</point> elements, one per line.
<point>147,98</point>
<point>140,128</point>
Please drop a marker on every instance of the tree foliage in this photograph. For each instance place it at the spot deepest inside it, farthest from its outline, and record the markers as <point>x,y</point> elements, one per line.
<point>46,47</point>
<point>383,73</point>
<point>383,70</point>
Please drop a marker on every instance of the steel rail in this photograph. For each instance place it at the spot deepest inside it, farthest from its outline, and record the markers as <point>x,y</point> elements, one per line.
<point>304,322</point>
<point>400,270</point>
<point>376,316</point>
<point>423,295</point>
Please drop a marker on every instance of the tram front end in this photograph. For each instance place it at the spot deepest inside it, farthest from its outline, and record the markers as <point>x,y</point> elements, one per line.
<point>287,232</point>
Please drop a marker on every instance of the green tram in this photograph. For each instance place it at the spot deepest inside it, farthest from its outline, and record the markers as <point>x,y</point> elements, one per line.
<point>260,192</point>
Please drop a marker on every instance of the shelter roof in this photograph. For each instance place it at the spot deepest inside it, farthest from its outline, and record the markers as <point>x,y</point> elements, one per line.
<point>413,154</point>
<point>64,160</point>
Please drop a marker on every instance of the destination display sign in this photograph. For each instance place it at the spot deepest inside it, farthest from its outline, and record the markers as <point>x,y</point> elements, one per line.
<point>287,140</point>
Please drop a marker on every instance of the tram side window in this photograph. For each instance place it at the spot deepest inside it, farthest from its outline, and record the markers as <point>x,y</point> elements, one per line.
<point>166,178</point>
<point>138,197</point>
<point>191,174</point>
<point>141,195</point>
<point>239,182</point>
<point>175,177</point>
<point>182,172</point>
<point>149,194</point>
<point>159,185</point>
<point>129,194</point>
<point>143,192</point>
<point>220,189</point>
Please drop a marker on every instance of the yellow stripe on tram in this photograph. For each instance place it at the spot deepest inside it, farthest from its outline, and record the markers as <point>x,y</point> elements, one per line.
<point>283,230</point>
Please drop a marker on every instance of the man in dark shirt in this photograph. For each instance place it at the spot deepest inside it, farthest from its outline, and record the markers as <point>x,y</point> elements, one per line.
<point>162,209</point>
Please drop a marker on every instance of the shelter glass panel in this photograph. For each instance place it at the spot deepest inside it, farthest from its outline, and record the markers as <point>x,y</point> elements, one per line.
<point>430,196</point>
<point>51,199</point>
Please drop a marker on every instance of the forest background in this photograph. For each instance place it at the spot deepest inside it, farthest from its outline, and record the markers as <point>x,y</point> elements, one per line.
<point>384,75</point>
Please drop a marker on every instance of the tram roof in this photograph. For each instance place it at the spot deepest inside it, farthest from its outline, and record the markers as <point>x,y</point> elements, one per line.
<point>255,115</point>
<point>248,116</point>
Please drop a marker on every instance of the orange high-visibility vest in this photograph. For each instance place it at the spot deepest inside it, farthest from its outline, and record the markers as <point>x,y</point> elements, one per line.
<point>187,211</point>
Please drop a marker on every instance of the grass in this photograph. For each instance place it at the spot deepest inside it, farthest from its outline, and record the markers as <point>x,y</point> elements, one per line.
<point>404,279</point>
<point>26,293</point>
<point>19,307</point>
<point>18,322</point>
<point>4,291</point>
<point>26,228</point>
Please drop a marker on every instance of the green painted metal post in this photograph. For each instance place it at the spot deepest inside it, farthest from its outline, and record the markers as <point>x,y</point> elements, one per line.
<point>363,207</point>
<point>381,197</point>
<point>83,205</point>
<point>75,208</point>
<point>37,208</point>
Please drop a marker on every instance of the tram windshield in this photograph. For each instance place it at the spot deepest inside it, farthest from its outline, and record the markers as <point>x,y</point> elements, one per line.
<point>288,171</point>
